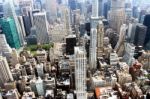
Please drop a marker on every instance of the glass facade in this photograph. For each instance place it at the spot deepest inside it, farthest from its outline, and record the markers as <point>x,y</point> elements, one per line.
<point>9,29</point>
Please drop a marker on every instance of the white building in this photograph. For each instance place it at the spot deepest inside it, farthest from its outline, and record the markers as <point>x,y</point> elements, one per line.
<point>39,87</point>
<point>93,38</point>
<point>5,73</point>
<point>129,53</point>
<point>41,24</point>
<point>93,49</point>
<point>39,69</point>
<point>5,49</point>
<point>80,72</point>
<point>114,59</point>
<point>41,56</point>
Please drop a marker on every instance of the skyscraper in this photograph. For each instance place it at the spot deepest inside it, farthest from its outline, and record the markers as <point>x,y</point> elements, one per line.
<point>140,34</point>
<point>72,4</point>
<point>93,49</point>
<point>4,47</point>
<point>106,8</point>
<point>147,23</point>
<point>100,38</point>
<point>116,15</point>
<point>80,72</point>
<point>51,9</point>
<point>39,86</point>
<point>9,29</point>
<point>9,11</point>
<point>5,73</point>
<point>100,7</point>
<point>40,22</point>
<point>93,39</point>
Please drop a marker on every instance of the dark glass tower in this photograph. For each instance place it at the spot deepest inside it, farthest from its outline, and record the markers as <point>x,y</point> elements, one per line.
<point>147,23</point>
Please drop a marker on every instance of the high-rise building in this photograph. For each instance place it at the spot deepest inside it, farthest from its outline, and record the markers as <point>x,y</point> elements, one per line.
<point>4,47</point>
<point>93,49</point>
<point>117,14</point>
<point>129,53</point>
<point>147,23</point>
<point>40,22</point>
<point>95,8</point>
<point>120,43</point>
<point>51,9</point>
<point>39,69</point>
<point>100,38</point>
<point>10,31</point>
<point>9,11</point>
<point>70,44</point>
<point>20,19</point>
<point>25,6</point>
<point>80,72</point>
<point>5,73</point>
<point>100,7</point>
<point>27,24</point>
<point>39,86</point>
<point>93,37</point>
<point>131,31</point>
<point>72,4</point>
<point>140,34</point>
<point>106,8</point>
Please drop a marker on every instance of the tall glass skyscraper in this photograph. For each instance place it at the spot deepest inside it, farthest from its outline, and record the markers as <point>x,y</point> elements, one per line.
<point>9,29</point>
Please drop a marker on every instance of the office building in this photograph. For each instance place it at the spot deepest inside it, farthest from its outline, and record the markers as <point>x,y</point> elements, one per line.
<point>25,6</point>
<point>70,44</point>
<point>80,72</point>
<point>117,14</point>
<point>20,19</point>
<point>140,34</point>
<point>120,44</point>
<point>93,49</point>
<point>129,53</point>
<point>40,22</point>
<point>5,73</point>
<point>131,32</point>
<point>51,9</point>
<point>100,7</point>
<point>147,23</point>
<point>1,10</point>
<point>93,35</point>
<point>107,5</point>
<point>114,59</point>
<point>4,46</point>
<point>40,70</point>
<point>10,31</point>
<point>9,11</point>
<point>41,56</point>
<point>72,4</point>
<point>31,39</point>
<point>27,24</point>
<point>39,86</point>
<point>100,38</point>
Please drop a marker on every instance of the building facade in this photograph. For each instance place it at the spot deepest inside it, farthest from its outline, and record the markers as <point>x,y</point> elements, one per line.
<point>10,31</point>
<point>80,72</point>
<point>5,73</point>
<point>100,38</point>
<point>40,21</point>
<point>117,15</point>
